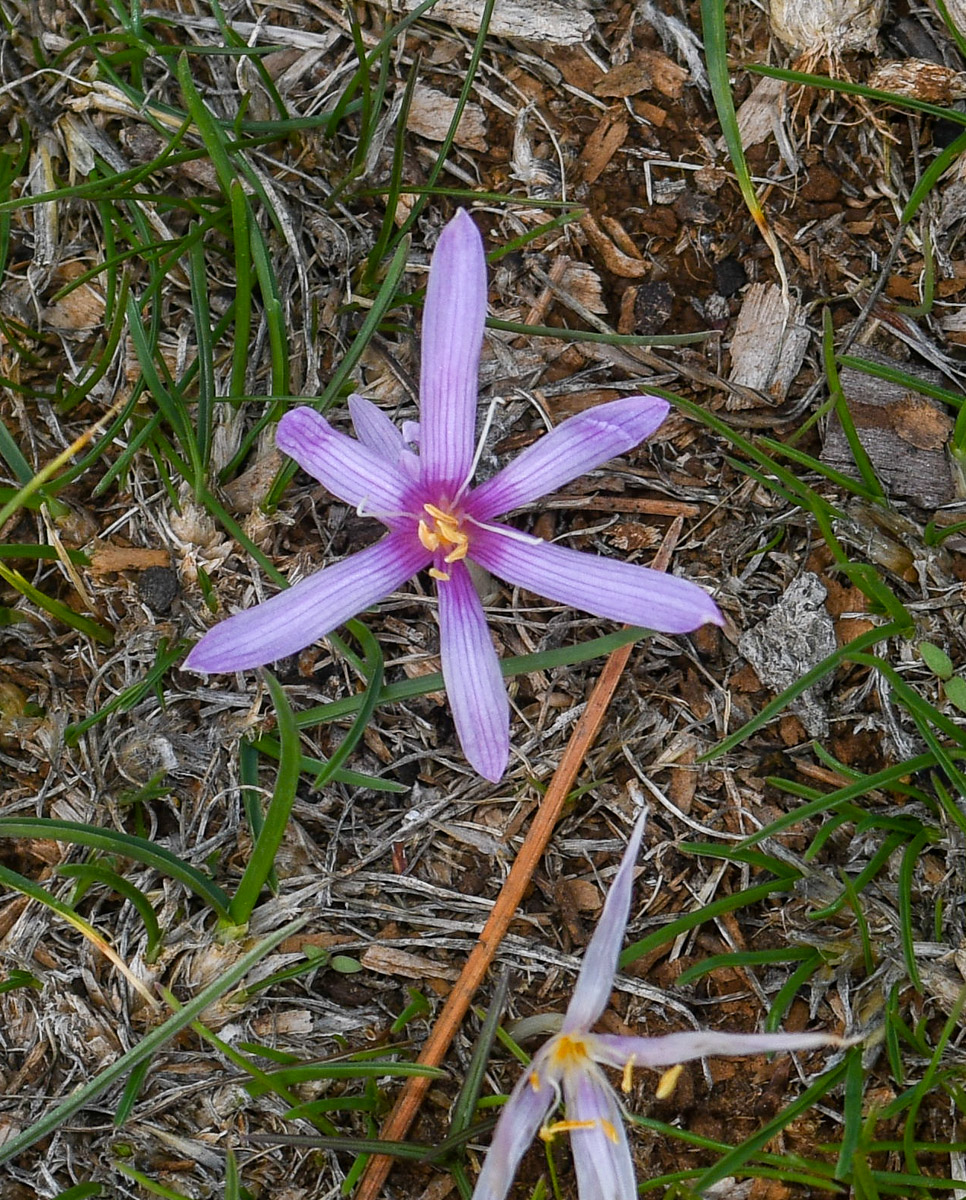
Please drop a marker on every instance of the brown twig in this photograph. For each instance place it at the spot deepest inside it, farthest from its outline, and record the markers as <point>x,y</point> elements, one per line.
<point>458,1002</point>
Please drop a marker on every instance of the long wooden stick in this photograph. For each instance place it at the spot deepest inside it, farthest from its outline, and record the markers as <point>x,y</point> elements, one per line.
<point>458,1002</point>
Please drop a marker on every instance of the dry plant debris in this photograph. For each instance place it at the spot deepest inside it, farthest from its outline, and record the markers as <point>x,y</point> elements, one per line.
<point>209,214</point>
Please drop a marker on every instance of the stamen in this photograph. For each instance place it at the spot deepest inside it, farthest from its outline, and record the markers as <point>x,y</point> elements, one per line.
<point>548,1132</point>
<point>478,452</point>
<point>515,535</point>
<point>609,1130</point>
<point>437,574</point>
<point>668,1081</point>
<point>626,1077</point>
<point>534,1081</point>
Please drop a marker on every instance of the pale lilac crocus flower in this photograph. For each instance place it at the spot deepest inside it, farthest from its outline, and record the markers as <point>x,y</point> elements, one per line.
<point>436,520</point>
<point>568,1068</point>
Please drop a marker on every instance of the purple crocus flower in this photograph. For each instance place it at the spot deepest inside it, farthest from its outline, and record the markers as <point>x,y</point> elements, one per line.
<point>568,1068</point>
<point>436,520</point>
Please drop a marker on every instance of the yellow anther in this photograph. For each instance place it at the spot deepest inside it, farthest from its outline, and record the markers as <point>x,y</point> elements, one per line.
<point>668,1081</point>
<point>626,1077</point>
<point>437,574</point>
<point>534,1081</point>
<point>609,1129</point>
<point>428,537</point>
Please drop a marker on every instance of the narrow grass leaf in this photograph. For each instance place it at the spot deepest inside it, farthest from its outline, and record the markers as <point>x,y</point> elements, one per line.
<point>853,1118</point>
<point>198,273</point>
<point>734,1161</point>
<point>715,38</point>
<point>771,710</point>
<point>165,657</point>
<point>907,868</point>
<point>266,846</point>
<point>56,608</point>
<point>124,844</point>
<point>859,453</point>
<point>88,873</point>
<point>708,912</point>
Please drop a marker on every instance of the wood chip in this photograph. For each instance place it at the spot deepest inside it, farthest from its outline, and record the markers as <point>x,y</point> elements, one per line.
<point>532,20</point>
<point>903,433</point>
<point>431,114</point>
<point>615,260</point>
<point>769,342</point>
<point>602,145</point>
<point>387,960</point>
<point>795,636</point>
<point>108,558</point>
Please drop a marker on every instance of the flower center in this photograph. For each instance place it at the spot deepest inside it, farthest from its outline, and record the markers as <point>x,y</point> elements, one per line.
<point>569,1052</point>
<point>443,531</point>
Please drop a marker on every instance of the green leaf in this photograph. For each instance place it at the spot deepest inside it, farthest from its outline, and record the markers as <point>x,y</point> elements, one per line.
<point>955,690</point>
<point>938,661</point>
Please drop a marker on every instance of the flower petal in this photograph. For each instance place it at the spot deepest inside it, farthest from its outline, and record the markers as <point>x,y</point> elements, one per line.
<point>596,976</point>
<point>312,608</point>
<point>519,1121</point>
<point>374,429</point>
<point>578,445</point>
<point>604,586</point>
<point>602,1157</point>
<point>616,1051</point>
<point>350,470</point>
<point>453,316</point>
<point>471,672</point>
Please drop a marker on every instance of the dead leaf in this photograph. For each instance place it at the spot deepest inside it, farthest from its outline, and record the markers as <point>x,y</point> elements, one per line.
<point>431,113</point>
<point>387,960</point>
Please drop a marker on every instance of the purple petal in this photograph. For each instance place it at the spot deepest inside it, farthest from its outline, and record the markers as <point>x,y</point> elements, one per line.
<point>596,977</point>
<point>453,317</point>
<point>602,1157</point>
<point>581,444</point>
<point>616,1051</point>
<point>374,429</point>
<point>312,608</point>
<point>355,473</point>
<point>519,1121</point>
<point>471,672</point>
<point>603,586</point>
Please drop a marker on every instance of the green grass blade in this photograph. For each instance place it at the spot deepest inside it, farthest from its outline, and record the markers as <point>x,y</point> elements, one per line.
<point>87,873</point>
<point>124,844</point>
<point>165,657</point>
<point>266,845</point>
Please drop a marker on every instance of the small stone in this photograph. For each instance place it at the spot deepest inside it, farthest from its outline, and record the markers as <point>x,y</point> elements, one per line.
<point>729,276</point>
<point>158,587</point>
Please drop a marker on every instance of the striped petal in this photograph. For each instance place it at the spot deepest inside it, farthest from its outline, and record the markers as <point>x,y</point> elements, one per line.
<point>579,445</point>
<point>453,317</point>
<point>616,1051</point>
<point>602,1157</point>
<point>374,429</point>
<point>596,976</point>
<point>603,586</point>
<point>522,1116</point>
<point>354,472</point>
<point>471,672</point>
<point>293,619</point>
